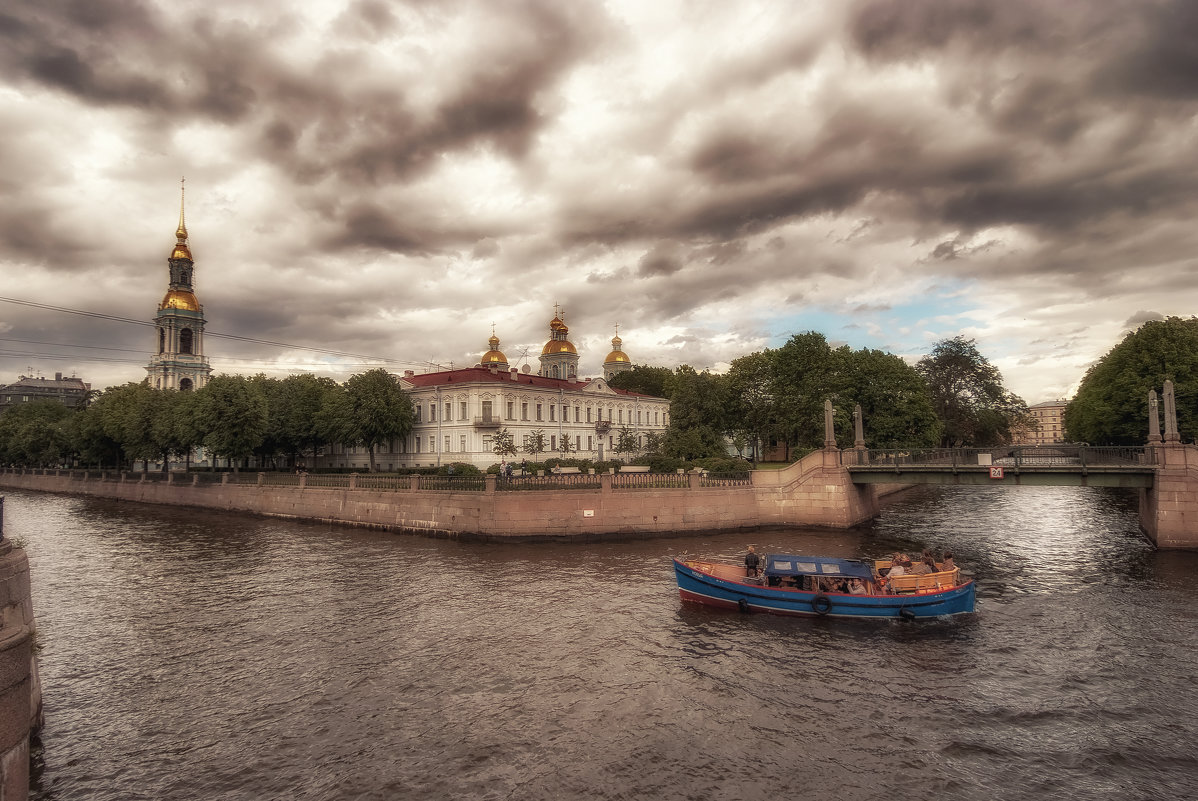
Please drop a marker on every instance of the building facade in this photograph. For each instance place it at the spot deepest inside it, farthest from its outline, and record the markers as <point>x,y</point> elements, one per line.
<point>459,413</point>
<point>179,361</point>
<point>1050,428</point>
<point>71,392</point>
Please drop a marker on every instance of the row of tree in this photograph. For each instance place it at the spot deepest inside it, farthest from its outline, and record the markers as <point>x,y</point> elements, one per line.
<point>952,397</point>
<point>1111,404</point>
<point>234,417</point>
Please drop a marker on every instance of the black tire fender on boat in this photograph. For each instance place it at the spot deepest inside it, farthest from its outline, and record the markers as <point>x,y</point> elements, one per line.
<point>743,605</point>
<point>821,604</point>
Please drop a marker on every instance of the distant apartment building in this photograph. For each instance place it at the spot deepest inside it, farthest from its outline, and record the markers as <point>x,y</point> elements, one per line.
<point>1050,417</point>
<point>70,392</point>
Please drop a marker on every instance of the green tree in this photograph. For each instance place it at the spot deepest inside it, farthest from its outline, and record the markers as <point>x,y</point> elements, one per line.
<point>372,410</point>
<point>128,413</point>
<point>698,410</point>
<point>535,445</point>
<point>37,434</point>
<point>896,404</point>
<point>625,441</point>
<point>297,425</point>
<point>231,412</point>
<point>503,443</point>
<point>1111,404</point>
<point>803,378</point>
<point>646,380</point>
<point>752,414</point>
<point>654,441</point>
<point>968,395</point>
<point>565,446</point>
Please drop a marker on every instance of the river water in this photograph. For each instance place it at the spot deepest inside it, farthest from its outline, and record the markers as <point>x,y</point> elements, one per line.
<point>202,655</point>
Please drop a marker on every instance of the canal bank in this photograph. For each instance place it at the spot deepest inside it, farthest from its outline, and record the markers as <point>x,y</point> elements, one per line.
<point>813,492</point>
<point>20,690</point>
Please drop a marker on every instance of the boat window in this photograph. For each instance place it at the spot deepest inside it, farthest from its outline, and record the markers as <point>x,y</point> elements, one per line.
<point>805,567</point>
<point>831,568</point>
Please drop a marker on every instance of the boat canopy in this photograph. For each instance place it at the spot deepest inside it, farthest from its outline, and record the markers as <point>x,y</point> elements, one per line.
<point>789,565</point>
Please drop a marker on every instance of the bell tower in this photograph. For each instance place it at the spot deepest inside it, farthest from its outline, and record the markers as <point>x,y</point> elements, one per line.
<point>179,361</point>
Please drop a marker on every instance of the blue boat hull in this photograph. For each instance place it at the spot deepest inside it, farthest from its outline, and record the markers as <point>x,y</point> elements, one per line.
<point>699,587</point>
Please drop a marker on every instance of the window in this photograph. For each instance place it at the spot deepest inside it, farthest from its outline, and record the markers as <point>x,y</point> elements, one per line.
<point>417,448</point>
<point>577,442</point>
<point>447,443</point>
<point>565,413</point>
<point>462,443</point>
<point>432,445</point>
<point>577,415</point>
<point>590,442</point>
<point>448,412</point>
<point>462,409</point>
<point>510,405</point>
<point>552,411</point>
<point>432,412</point>
<point>588,414</point>
<point>621,416</point>
<point>553,442</point>
<point>538,412</point>
<point>486,411</point>
<point>523,411</point>
<point>638,417</point>
<point>419,409</point>
<point>185,339</point>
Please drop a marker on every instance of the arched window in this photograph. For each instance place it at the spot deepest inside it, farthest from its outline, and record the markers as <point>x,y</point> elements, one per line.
<point>185,340</point>
<point>185,384</point>
<point>161,340</point>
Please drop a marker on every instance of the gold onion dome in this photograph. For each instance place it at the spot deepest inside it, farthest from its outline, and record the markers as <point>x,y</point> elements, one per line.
<point>180,299</point>
<point>616,356</point>
<point>558,346</point>
<point>494,355</point>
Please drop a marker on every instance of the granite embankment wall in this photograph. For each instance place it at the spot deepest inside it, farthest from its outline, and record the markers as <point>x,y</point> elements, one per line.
<point>20,692</point>
<point>813,492</point>
<point>1169,509</point>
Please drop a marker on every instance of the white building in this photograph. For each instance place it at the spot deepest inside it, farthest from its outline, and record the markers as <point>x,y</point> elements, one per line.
<point>458,413</point>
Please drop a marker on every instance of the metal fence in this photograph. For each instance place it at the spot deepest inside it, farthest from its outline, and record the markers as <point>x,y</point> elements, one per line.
<point>633,481</point>
<point>550,481</point>
<point>736,478</point>
<point>1007,456</point>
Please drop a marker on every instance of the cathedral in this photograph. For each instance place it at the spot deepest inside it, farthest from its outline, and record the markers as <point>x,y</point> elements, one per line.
<point>179,362</point>
<point>459,412</point>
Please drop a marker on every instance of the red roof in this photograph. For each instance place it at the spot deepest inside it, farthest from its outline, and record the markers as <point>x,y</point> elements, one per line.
<point>475,375</point>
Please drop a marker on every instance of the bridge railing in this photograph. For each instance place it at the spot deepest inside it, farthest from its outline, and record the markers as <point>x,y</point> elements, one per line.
<point>1004,456</point>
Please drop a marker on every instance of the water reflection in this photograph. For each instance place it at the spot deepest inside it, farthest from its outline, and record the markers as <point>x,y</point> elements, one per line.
<point>199,654</point>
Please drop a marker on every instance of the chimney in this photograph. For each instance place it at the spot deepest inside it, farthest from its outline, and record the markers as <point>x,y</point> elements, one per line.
<point>409,373</point>
<point>515,374</point>
<point>58,376</point>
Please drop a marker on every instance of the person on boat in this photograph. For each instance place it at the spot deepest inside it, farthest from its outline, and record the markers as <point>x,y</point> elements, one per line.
<point>857,587</point>
<point>896,566</point>
<point>946,564</point>
<point>925,565</point>
<point>752,560</point>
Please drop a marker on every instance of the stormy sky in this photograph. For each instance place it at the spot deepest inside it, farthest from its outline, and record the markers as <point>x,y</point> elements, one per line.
<point>391,179</point>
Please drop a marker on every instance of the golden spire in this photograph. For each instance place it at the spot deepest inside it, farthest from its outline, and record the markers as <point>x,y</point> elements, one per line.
<point>181,231</point>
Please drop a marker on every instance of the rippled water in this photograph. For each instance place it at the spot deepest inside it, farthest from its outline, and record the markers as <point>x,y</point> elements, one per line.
<point>191,654</point>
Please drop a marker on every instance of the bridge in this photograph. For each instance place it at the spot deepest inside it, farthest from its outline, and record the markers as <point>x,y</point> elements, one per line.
<point>1056,465</point>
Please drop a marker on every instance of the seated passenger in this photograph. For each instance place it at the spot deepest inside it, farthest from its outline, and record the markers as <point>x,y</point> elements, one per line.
<point>857,587</point>
<point>896,568</point>
<point>925,565</point>
<point>947,562</point>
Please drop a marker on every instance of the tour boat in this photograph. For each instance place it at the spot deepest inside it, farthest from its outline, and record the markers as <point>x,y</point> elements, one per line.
<point>819,586</point>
